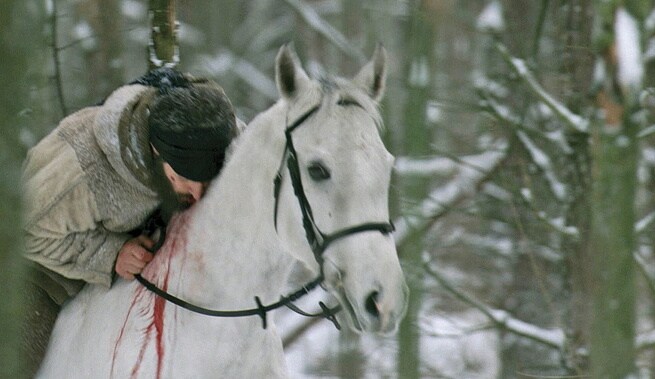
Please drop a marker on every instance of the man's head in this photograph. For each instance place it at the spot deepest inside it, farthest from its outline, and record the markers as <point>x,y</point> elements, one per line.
<point>191,125</point>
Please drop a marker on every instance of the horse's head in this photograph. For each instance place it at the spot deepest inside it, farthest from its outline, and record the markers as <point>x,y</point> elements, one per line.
<point>333,203</point>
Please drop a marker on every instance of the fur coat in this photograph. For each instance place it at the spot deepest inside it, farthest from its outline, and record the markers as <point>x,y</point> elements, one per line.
<point>87,185</point>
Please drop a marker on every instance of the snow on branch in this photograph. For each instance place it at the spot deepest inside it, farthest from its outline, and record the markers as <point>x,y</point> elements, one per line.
<point>314,20</point>
<point>225,61</point>
<point>649,276</point>
<point>641,225</point>
<point>542,160</point>
<point>441,199</point>
<point>442,165</point>
<point>645,341</point>
<point>519,66</point>
<point>554,338</point>
<point>628,50</point>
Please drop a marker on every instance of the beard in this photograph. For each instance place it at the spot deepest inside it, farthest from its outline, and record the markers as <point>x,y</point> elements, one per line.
<point>171,201</point>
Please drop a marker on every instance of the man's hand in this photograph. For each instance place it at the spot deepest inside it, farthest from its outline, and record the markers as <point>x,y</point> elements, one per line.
<point>133,256</point>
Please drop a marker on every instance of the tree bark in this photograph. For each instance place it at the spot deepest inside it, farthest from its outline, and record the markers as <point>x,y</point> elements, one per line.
<point>574,29</point>
<point>613,217</point>
<point>105,20</point>
<point>13,97</point>
<point>163,47</point>
<point>420,69</point>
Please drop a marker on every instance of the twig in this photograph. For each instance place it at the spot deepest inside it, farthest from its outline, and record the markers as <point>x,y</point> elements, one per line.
<point>648,276</point>
<point>572,120</point>
<point>542,160</point>
<point>440,200</point>
<point>55,58</point>
<point>540,28</point>
<point>315,21</point>
<point>553,338</point>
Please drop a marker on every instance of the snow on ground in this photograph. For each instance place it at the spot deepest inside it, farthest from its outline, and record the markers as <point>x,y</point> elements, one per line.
<point>454,345</point>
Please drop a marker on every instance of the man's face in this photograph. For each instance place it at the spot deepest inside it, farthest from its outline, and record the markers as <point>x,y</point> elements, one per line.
<point>188,191</point>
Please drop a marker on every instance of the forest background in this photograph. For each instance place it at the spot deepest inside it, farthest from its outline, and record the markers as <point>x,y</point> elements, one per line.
<point>523,187</point>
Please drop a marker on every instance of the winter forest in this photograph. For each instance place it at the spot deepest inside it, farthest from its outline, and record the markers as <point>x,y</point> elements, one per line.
<point>523,190</point>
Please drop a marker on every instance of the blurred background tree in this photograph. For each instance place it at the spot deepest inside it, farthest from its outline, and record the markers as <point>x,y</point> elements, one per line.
<point>523,186</point>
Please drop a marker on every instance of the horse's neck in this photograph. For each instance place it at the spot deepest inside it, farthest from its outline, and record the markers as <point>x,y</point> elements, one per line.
<point>224,251</point>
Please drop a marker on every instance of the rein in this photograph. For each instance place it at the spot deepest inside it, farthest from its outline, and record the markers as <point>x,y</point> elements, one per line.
<point>261,310</point>
<point>318,241</point>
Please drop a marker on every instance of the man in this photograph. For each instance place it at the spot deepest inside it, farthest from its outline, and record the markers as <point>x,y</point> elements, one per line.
<point>90,186</point>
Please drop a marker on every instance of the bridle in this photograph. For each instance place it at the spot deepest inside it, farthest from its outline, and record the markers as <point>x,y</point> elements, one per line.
<point>317,240</point>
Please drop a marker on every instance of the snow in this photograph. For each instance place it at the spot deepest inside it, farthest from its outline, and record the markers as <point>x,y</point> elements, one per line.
<point>519,66</point>
<point>225,61</point>
<point>542,160</point>
<point>458,344</point>
<point>649,54</point>
<point>481,81</point>
<point>84,33</point>
<point>432,113</point>
<point>133,9</point>
<point>552,337</point>
<point>419,72</point>
<point>314,20</point>
<point>649,22</point>
<point>49,7</point>
<point>424,167</point>
<point>473,170</point>
<point>491,18</point>
<point>642,224</point>
<point>628,50</point>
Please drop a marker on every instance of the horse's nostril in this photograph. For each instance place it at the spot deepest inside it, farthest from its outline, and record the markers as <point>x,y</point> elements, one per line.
<point>371,304</point>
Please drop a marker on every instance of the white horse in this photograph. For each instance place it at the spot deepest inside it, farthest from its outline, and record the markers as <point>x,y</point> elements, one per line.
<point>240,242</point>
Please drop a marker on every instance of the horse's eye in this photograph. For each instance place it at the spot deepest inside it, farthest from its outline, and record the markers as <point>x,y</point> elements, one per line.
<point>318,172</point>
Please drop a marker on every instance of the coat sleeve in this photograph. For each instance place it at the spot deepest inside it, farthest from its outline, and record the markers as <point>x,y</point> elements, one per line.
<point>63,227</point>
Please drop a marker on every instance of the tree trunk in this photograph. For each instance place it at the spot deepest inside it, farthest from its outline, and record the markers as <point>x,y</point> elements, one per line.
<point>574,29</point>
<point>613,216</point>
<point>417,142</point>
<point>105,59</point>
<point>13,97</point>
<point>163,43</point>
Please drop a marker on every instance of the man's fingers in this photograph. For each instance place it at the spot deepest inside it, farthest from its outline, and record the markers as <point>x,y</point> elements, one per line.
<point>133,257</point>
<point>146,242</point>
<point>142,255</point>
<point>147,257</point>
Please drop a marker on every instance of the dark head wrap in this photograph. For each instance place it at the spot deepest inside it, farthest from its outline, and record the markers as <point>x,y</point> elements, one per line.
<point>191,124</point>
<point>196,154</point>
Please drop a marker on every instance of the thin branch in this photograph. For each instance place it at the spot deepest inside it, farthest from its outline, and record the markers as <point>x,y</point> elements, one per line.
<point>572,120</point>
<point>542,160</point>
<point>540,28</point>
<point>56,62</point>
<point>642,266</point>
<point>554,224</point>
<point>443,198</point>
<point>315,21</point>
<point>644,223</point>
<point>645,341</point>
<point>553,338</point>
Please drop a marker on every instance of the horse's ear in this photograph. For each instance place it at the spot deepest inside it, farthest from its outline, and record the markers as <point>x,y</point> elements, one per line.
<point>289,74</point>
<point>373,76</point>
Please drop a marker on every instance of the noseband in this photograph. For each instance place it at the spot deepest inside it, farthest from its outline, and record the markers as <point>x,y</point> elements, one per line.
<point>318,241</point>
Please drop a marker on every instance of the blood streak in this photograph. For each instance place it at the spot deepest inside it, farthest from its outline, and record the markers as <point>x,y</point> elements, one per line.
<point>147,306</point>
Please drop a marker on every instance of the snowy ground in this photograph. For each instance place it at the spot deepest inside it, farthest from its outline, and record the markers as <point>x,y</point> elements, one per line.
<point>452,345</point>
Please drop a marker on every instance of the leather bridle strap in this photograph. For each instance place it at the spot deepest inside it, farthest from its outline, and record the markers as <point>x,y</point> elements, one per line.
<point>318,240</point>
<point>261,310</point>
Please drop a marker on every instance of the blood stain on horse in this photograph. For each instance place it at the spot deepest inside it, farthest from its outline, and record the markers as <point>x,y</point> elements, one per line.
<point>150,305</point>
